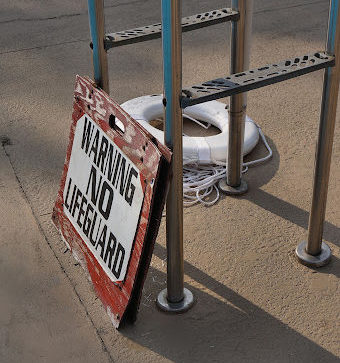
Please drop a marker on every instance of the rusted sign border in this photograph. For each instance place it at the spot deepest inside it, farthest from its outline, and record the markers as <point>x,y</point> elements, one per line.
<point>152,159</point>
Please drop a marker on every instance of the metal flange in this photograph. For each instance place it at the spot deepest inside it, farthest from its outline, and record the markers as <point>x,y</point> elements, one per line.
<point>313,261</point>
<point>228,189</point>
<point>179,307</point>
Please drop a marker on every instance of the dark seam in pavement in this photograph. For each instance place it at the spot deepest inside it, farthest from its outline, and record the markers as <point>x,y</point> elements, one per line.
<point>42,19</point>
<point>45,214</point>
<point>263,11</point>
<point>49,245</point>
<point>69,15</point>
<point>44,46</point>
<point>87,40</point>
<point>135,2</point>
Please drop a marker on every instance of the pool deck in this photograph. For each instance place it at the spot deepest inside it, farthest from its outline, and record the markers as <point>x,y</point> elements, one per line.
<point>255,302</point>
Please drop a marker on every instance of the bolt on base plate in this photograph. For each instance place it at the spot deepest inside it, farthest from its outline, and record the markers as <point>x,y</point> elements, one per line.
<point>179,307</point>
<point>228,189</point>
<point>313,261</point>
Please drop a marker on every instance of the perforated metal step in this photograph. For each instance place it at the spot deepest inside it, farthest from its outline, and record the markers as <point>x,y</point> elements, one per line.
<point>249,80</point>
<point>154,31</point>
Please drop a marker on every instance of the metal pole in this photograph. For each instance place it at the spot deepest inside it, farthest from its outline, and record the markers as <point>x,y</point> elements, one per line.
<point>240,51</point>
<point>175,298</point>
<point>97,28</point>
<point>314,252</point>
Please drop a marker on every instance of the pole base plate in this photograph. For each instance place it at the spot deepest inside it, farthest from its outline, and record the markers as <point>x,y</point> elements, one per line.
<point>229,190</point>
<point>179,307</point>
<point>313,261</point>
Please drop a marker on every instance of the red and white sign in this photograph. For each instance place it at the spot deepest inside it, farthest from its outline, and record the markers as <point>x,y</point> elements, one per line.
<point>103,197</point>
<point>110,200</point>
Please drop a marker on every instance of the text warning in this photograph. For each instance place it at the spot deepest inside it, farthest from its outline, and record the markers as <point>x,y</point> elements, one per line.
<point>103,197</point>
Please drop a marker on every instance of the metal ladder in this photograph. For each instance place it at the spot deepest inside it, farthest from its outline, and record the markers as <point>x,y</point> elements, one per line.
<point>313,252</point>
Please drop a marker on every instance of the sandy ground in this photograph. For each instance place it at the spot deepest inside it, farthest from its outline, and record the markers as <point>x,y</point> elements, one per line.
<point>255,303</point>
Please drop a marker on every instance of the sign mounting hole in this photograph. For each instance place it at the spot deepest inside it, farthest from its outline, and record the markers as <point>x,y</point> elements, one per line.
<point>116,124</point>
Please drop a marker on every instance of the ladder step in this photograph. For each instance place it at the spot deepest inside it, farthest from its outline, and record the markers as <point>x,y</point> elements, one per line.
<point>155,31</point>
<point>257,78</point>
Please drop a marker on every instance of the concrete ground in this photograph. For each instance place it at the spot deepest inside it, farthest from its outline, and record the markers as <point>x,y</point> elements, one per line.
<point>255,303</point>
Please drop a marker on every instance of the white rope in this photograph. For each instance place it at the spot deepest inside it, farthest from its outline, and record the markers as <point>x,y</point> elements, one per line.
<point>196,121</point>
<point>200,181</point>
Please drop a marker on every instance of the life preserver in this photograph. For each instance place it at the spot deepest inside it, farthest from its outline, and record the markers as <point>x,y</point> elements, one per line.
<point>202,150</point>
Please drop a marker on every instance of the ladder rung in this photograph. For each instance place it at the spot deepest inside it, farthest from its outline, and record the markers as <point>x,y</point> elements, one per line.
<point>155,31</point>
<point>249,80</point>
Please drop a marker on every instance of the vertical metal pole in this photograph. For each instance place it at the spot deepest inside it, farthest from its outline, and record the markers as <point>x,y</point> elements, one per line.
<point>314,252</point>
<point>175,298</point>
<point>240,52</point>
<point>97,28</point>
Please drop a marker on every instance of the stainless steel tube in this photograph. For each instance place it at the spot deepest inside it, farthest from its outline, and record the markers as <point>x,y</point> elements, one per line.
<point>173,139</point>
<point>97,27</point>
<point>314,252</point>
<point>240,51</point>
<point>175,298</point>
<point>326,135</point>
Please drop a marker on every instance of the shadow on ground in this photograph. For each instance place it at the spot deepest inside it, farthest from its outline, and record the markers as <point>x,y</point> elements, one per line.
<point>291,213</point>
<point>244,333</point>
<point>275,205</point>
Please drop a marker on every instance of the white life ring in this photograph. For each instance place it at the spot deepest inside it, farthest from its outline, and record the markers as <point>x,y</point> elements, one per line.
<point>203,150</point>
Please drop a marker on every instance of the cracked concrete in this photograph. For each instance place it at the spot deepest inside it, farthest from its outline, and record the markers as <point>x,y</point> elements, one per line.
<point>44,46</point>
<point>255,303</point>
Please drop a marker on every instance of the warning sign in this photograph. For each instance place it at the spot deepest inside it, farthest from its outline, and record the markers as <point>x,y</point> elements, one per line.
<point>103,197</point>
<point>111,197</point>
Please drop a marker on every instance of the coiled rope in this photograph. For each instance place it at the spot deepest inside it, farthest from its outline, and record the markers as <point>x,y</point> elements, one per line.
<point>200,181</point>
